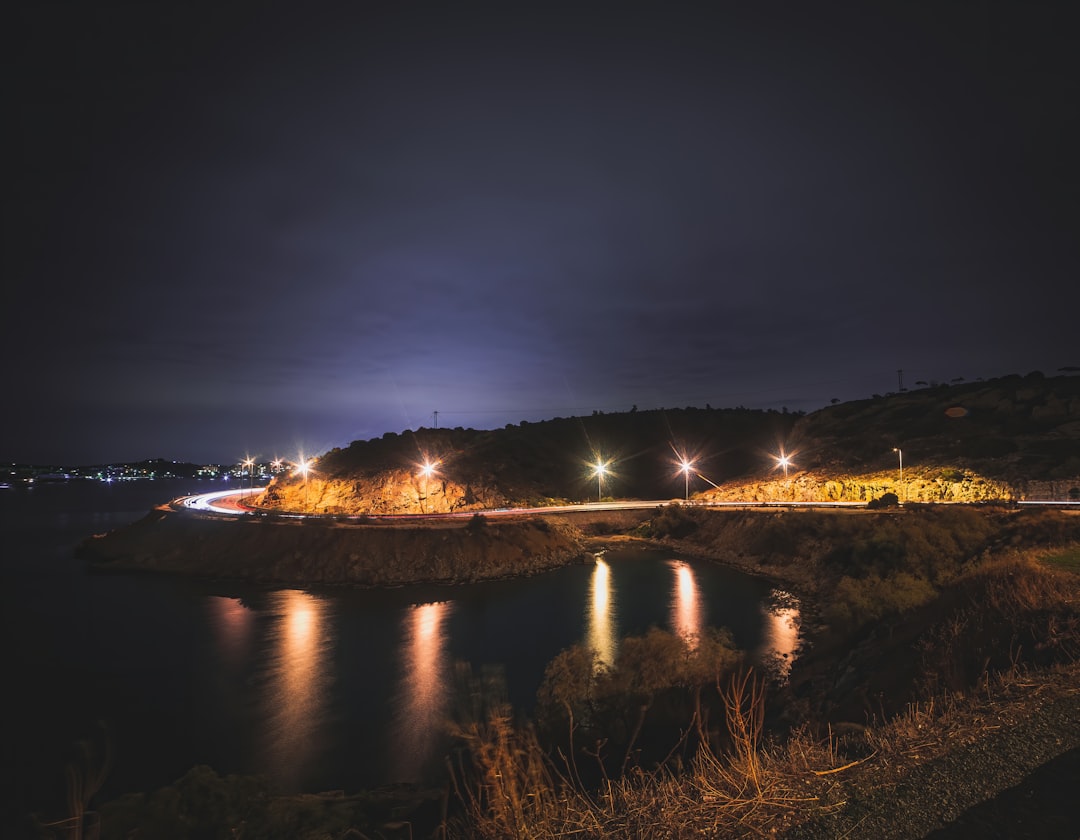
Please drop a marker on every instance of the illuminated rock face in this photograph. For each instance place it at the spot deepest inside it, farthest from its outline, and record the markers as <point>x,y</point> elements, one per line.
<point>926,487</point>
<point>386,492</point>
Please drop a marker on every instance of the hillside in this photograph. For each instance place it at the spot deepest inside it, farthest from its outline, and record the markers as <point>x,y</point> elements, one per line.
<point>1012,437</point>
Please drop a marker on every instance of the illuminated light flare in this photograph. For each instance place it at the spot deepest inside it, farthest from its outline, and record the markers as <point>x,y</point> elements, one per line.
<point>783,461</point>
<point>685,467</point>
<point>600,469</point>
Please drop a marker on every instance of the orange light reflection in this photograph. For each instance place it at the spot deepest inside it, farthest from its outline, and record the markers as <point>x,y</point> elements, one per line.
<point>297,678</point>
<point>423,689</point>
<point>685,604</point>
<point>782,622</point>
<point>601,625</point>
<point>233,622</point>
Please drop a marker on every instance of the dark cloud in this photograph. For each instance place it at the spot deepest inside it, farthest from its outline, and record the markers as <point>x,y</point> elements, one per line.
<point>249,228</point>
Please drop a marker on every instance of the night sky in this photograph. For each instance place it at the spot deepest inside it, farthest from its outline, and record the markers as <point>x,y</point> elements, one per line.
<point>258,228</point>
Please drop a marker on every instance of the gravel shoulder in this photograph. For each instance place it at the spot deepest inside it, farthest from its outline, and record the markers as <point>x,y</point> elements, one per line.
<point>970,755</point>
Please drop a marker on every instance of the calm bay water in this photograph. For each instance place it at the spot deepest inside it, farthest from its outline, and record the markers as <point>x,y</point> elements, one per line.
<point>318,689</point>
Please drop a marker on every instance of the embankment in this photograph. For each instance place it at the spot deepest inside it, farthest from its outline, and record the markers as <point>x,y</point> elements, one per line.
<point>326,552</point>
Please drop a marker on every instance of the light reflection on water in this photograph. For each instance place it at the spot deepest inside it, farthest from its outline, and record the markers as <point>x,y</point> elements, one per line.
<point>302,688</point>
<point>233,622</point>
<point>422,694</point>
<point>294,699</point>
<point>781,633</point>
<point>686,619</point>
<point>600,621</point>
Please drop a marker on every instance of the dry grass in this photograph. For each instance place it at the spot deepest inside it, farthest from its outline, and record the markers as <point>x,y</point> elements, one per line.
<point>510,788</point>
<point>1008,646</point>
<point>756,787</point>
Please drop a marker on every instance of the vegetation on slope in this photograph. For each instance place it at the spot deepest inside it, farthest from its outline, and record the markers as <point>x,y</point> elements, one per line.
<point>1011,437</point>
<point>968,629</point>
<point>942,633</point>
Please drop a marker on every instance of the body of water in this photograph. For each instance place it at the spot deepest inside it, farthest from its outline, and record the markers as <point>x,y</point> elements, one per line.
<point>317,689</point>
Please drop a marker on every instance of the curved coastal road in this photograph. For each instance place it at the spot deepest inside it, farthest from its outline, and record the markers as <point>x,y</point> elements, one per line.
<point>234,502</point>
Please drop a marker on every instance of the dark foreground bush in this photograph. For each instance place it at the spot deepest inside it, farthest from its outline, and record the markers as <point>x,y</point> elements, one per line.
<point>887,500</point>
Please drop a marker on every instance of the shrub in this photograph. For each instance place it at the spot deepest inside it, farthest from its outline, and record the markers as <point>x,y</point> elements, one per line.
<point>858,602</point>
<point>888,500</point>
<point>673,521</point>
<point>477,523</point>
<point>656,679</point>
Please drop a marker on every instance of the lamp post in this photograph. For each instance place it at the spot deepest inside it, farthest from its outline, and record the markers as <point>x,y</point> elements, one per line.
<point>426,470</point>
<point>900,454</point>
<point>303,468</point>
<point>249,463</point>
<point>685,468</point>
<point>599,469</point>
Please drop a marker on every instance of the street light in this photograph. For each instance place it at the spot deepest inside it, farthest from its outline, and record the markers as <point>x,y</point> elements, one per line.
<point>304,467</point>
<point>784,461</point>
<point>600,469</point>
<point>899,452</point>
<point>249,463</point>
<point>427,469</point>
<point>685,468</point>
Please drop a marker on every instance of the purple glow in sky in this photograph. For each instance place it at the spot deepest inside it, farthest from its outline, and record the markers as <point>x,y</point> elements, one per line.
<point>252,228</point>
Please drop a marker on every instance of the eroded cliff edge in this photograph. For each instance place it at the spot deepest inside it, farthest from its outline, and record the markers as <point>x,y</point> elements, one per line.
<point>329,552</point>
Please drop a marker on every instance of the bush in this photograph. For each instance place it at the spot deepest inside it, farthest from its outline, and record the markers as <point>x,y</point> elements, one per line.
<point>477,523</point>
<point>656,679</point>
<point>673,521</point>
<point>858,602</point>
<point>888,500</point>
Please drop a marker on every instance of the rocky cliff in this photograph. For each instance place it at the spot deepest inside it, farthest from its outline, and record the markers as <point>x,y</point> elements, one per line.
<point>924,485</point>
<point>384,492</point>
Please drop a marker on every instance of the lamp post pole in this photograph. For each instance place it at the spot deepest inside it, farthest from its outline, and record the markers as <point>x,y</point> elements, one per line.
<point>686,466</point>
<point>425,471</point>
<point>304,467</point>
<point>900,454</point>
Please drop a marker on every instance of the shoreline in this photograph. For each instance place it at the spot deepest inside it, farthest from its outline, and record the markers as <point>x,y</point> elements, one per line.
<point>914,789</point>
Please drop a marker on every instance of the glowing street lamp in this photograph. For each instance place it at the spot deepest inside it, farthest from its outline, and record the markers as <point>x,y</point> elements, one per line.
<point>304,467</point>
<point>249,463</point>
<point>784,461</point>
<point>600,470</point>
<point>900,454</point>
<point>685,468</point>
<point>427,469</point>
